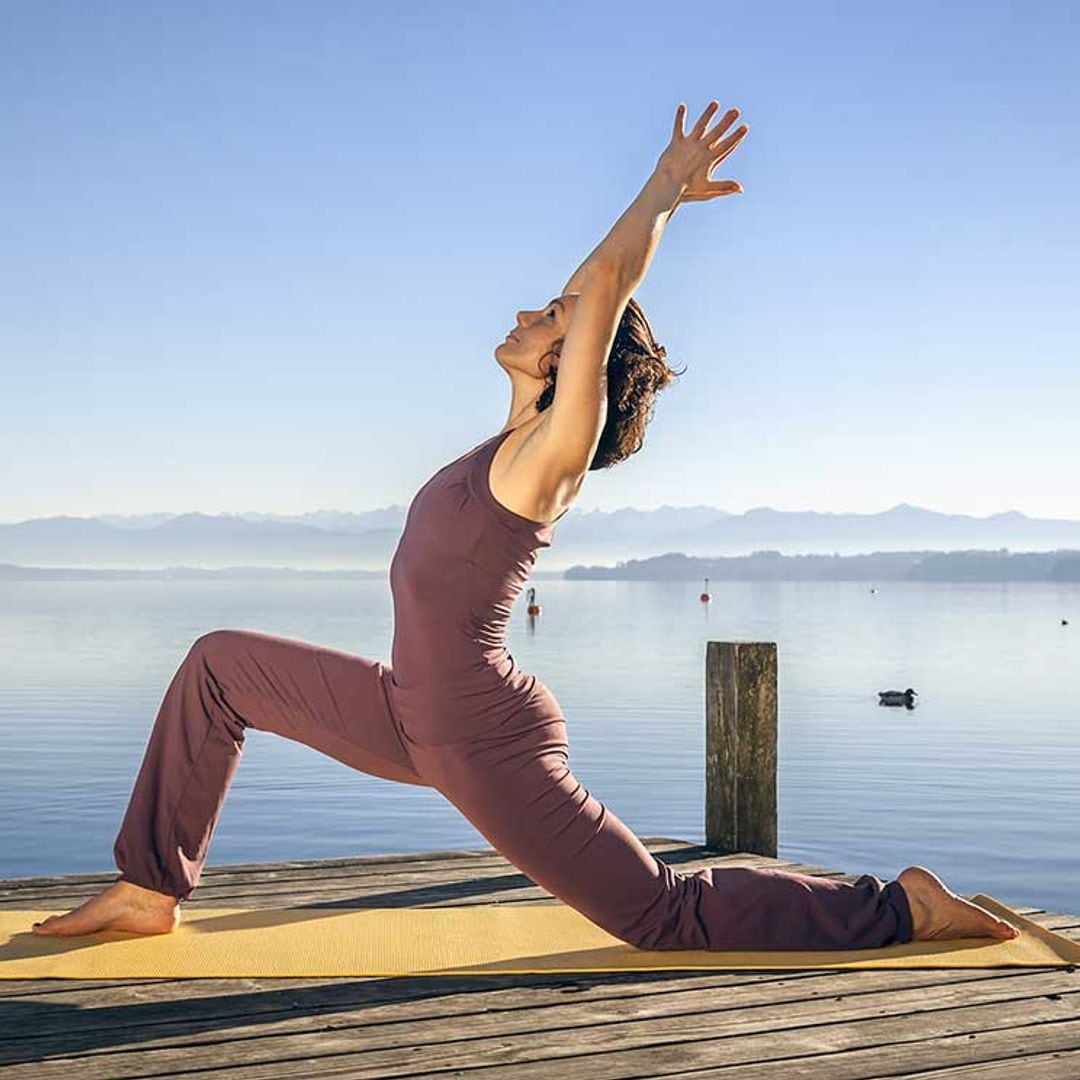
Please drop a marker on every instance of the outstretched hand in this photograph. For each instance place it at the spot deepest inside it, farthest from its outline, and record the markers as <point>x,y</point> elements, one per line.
<point>689,158</point>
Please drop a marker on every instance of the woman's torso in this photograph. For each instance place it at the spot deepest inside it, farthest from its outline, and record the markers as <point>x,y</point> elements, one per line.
<point>460,563</point>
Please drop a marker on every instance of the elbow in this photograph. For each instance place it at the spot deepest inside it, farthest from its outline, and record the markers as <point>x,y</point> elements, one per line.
<point>609,274</point>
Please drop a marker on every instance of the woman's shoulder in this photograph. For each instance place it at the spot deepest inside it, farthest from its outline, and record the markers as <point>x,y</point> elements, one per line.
<point>521,476</point>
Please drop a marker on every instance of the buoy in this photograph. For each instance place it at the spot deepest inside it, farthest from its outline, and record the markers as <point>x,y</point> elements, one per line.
<point>872,589</point>
<point>705,597</point>
<point>533,608</point>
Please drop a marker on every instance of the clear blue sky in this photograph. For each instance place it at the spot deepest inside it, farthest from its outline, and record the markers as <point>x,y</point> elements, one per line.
<point>257,256</point>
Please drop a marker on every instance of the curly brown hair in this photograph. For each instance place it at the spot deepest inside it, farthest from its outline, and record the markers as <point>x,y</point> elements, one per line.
<point>636,373</point>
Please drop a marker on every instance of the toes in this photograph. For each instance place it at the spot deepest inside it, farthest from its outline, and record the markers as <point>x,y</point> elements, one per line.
<point>989,923</point>
<point>988,918</point>
<point>54,924</point>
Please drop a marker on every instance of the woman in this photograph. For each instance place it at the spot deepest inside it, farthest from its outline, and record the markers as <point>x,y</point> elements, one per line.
<point>453,711</point>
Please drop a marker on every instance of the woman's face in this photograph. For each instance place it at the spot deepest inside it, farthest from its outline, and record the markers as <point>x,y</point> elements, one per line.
<point>533,344</point>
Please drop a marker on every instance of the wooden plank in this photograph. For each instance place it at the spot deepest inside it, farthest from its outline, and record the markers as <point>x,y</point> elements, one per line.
<point>192,1003</point>
<point>656,1035</point>
<point>128,1027</point>
<point>484,863</point>
<point>998,1055</point>
<point>496,872</point>
<point>464,864</point>
<point>1061,1065</point>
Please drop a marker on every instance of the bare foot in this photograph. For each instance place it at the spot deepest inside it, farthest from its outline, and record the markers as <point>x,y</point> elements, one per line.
<point>938,914</point>
<point>122,906</point>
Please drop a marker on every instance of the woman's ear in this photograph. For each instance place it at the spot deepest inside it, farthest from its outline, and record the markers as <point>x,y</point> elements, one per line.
<point>549,363</point>
<point>556,360</point>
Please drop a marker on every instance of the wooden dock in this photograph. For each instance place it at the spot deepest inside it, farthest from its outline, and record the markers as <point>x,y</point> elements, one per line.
<point>1002,1023</point>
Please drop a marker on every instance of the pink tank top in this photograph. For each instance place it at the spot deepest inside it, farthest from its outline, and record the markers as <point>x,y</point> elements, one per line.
<point>462,560</point>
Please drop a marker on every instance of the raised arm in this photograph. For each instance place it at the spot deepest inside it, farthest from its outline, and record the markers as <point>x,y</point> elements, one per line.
<point>608,277</point>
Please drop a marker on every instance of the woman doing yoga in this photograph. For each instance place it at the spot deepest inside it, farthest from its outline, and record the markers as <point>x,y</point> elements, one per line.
<point>453,711</point>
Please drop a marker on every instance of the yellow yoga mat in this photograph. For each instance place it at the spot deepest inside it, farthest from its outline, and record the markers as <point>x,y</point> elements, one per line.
<point>510,939</point>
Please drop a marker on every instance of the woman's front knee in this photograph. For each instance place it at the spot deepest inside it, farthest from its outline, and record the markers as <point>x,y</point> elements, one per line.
<point>214,643</point>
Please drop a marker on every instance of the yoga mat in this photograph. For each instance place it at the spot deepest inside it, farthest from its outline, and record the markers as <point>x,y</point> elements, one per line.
<point>485,939</point>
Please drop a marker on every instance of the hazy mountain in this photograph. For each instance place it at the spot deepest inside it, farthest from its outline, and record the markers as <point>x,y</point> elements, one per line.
<point>1061,565</point>
<point>876,567</point>
<point>392,517</point>
<point>330,539</point>
<point>194,540</point>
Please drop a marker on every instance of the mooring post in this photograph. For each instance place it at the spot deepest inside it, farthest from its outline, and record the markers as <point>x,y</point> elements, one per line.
<point>740,746</point>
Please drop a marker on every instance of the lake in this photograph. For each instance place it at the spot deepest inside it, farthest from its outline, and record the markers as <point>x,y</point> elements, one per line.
<point>979,781</point>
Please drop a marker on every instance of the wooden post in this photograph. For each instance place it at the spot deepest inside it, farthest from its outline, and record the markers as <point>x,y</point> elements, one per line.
<point>740,746</point>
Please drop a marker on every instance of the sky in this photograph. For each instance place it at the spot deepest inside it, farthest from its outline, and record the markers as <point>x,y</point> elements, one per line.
<point>258,256</point>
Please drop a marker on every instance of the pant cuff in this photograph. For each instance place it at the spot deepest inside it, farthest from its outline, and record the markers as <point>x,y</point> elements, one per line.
<point>897,899</point>
<point>153,886</point>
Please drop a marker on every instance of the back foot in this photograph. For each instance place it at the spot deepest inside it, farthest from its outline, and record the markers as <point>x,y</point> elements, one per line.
<point>938,914</point>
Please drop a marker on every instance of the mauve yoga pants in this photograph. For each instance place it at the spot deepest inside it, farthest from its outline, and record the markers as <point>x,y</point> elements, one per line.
<point>517,790</point>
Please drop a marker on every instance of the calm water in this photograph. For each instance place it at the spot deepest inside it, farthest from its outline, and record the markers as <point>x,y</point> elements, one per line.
<point>978,782</point>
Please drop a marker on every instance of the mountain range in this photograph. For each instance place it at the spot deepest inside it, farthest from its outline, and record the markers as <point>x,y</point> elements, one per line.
<point>344,540</point>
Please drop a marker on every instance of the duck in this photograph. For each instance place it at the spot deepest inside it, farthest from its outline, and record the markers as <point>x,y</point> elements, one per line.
<point>897,697</point>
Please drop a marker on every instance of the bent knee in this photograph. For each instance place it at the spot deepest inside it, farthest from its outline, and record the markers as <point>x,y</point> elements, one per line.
<point>215,643</point>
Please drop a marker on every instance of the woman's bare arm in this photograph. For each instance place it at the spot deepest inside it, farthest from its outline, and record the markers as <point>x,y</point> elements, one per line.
<point>605,283</point>
<point>596,256</point>
<point>695,191</point>
<point>607,279</point>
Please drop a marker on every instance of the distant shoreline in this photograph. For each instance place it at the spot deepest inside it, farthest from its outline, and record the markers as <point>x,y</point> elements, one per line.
<point>968,565</point>
<point>957,566</point>
<point>14,572</point>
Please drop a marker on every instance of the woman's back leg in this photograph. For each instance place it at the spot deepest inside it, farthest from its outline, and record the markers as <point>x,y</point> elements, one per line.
<point>523,798</point>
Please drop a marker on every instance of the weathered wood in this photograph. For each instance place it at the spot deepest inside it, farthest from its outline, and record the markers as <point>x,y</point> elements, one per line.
<point>655,1034</point>
<point>436,884</point>
<point>740,746</point>
<point>762,1023</point>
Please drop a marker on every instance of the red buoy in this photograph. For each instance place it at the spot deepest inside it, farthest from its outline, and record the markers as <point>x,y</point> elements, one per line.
<point>533,608</point>
<point>705,597</point>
